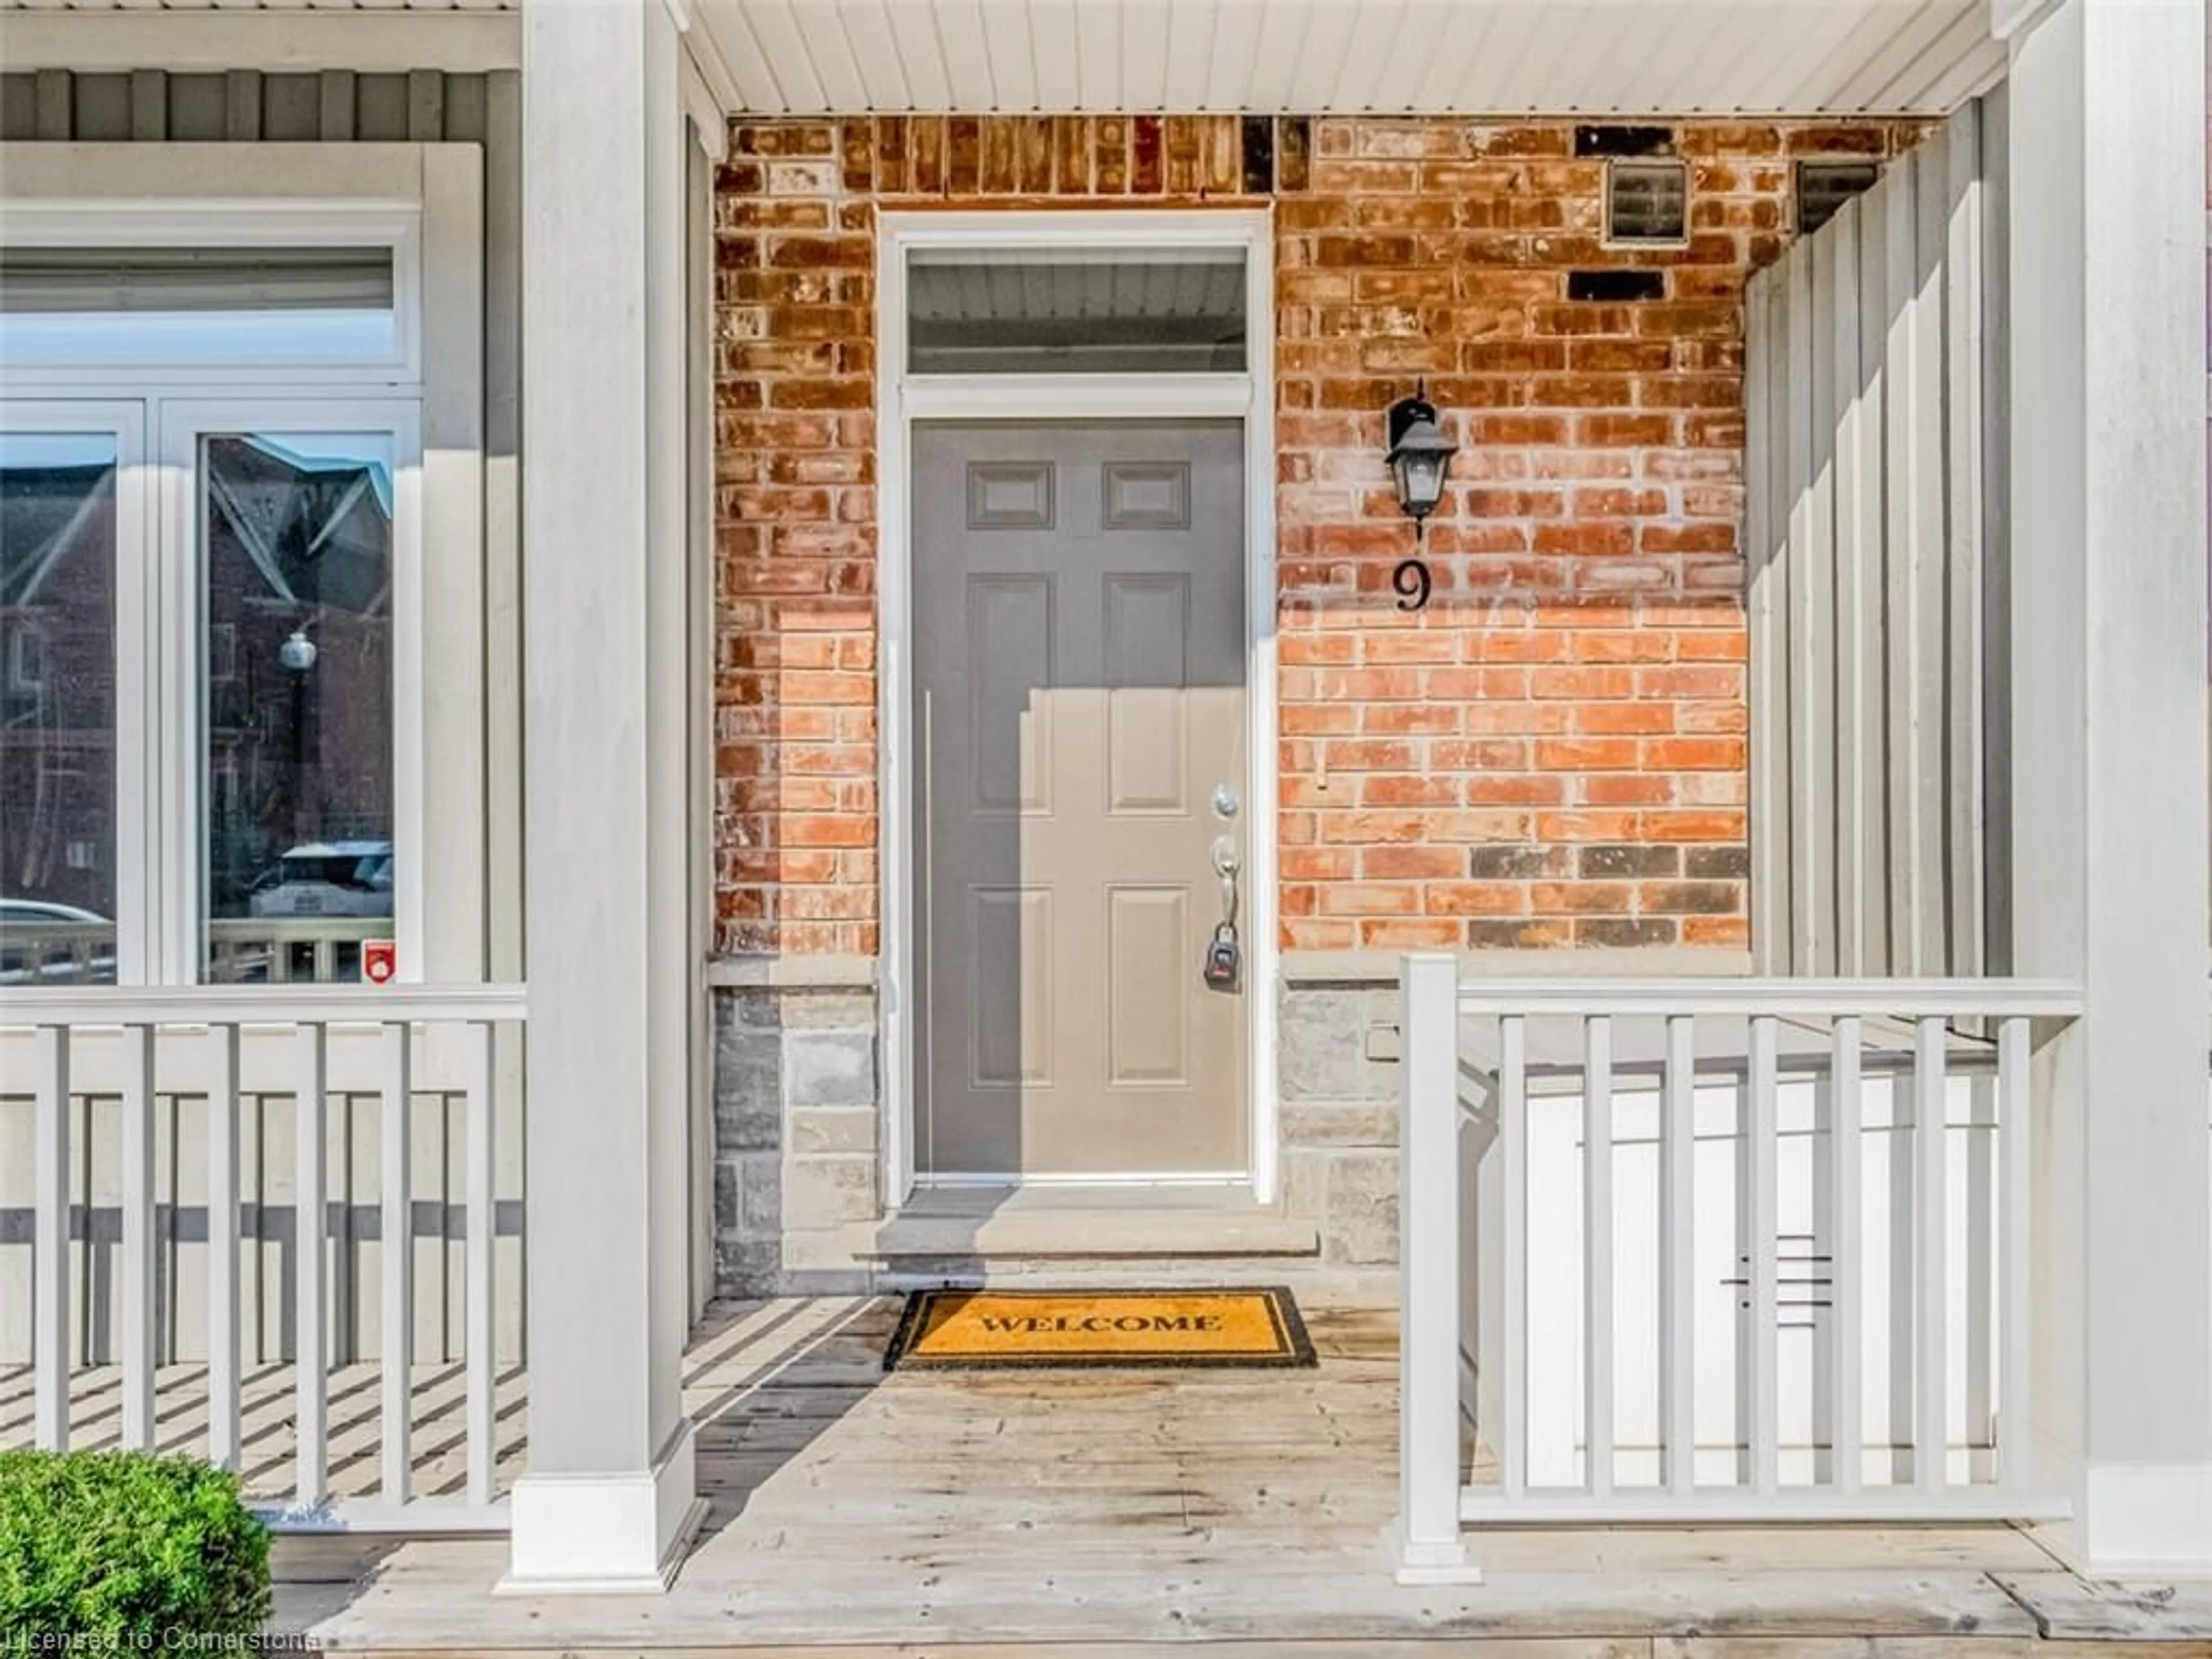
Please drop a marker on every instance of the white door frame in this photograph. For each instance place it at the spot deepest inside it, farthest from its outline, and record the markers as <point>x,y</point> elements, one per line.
<point>901,399</point>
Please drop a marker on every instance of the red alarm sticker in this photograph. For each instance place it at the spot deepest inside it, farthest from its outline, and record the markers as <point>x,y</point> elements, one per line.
<point>379,960</point>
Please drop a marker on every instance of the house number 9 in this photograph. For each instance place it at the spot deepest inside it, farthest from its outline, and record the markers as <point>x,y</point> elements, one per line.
<point>1412,582</point>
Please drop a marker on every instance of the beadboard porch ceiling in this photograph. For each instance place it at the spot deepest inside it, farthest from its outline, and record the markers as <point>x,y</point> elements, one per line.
<point>1320,57</point>
<point>1617,57</point>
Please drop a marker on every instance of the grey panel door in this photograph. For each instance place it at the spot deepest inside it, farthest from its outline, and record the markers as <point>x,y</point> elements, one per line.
<point>1079,697</point>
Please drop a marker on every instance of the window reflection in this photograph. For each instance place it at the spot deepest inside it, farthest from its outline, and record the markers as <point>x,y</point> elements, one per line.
<point>56,708</point>
<point>297,678</point>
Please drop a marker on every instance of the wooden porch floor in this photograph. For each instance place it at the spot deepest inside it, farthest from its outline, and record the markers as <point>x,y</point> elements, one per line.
<point>928,1511</point>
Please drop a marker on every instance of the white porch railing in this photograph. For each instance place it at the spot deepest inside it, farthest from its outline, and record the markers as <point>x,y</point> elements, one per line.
<point>152,1082</point>
<point>1792,1284</point>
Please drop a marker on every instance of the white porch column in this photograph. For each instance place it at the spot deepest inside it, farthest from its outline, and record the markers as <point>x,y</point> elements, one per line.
<point>2110,824</point>
<point>608,1501</point>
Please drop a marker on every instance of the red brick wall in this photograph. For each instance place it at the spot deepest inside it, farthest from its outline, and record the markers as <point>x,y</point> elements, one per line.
<point>1552,754</point>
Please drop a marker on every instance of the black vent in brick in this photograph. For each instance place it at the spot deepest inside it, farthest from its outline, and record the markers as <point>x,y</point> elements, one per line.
<point>1259,154</point>
<point>1647,201</point>
<point>1825,187</point>
<point>1624,141</point>
<point>1616,285</point>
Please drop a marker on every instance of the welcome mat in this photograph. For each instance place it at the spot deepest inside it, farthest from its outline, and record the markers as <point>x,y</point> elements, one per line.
<point>980,1330</point>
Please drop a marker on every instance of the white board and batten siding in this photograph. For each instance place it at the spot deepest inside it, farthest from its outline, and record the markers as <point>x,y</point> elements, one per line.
<point>1875,475</point>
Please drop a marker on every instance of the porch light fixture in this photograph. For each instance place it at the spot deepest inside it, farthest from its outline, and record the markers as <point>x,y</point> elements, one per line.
<point>1420,456</point>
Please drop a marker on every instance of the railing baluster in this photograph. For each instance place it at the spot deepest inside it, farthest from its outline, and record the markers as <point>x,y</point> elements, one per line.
<point>222,1246</point>
<point>1678,1334</point>
<point>1978,1241</point>
<point>50,1249</point>
<point>138,1237</point>
<point>396,1252</point>
<point>1846,1111</point>
<point>311,1409</point>
<point>1429,1484</point>
<point>1597,1254</point>
<point>1513,1148</point>
<point>1930,1197</point>
<point>1765,1407</point>
<point>2015,1226</point>
<point>484,1233</point>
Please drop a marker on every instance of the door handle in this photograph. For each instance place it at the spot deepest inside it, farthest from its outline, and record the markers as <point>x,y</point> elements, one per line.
<point>1228,860</point>
<point>1223,969</point>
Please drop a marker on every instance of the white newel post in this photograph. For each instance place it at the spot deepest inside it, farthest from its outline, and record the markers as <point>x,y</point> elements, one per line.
<point>2107,364</point>
<point>607,1501</point>
<point>1429,1548</point>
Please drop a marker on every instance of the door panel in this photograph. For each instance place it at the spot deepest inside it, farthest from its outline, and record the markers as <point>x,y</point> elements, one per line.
<point>1079,693</point>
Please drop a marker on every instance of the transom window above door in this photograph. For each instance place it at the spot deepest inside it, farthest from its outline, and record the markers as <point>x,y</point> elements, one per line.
<point>1077,310</point>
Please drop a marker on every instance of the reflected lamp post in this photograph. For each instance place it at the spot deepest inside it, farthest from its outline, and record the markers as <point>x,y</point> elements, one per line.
<point>297,655</point>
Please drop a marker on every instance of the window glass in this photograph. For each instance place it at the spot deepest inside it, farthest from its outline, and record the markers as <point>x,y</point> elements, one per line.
<point>248,305</point>
<point>296,679</point>
<point>1117,310</point>
<point>58,556</point>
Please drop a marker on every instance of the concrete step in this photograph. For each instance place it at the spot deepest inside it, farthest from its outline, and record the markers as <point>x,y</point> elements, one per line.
<point>1088,1224</point>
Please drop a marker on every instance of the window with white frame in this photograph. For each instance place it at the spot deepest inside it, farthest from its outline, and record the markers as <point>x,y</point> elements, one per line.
<point>211,521</point>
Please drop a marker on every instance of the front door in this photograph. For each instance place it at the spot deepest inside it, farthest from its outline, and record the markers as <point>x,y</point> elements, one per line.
<point>1080,767</point>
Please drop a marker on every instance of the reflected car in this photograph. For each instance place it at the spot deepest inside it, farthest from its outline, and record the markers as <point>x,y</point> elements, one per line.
<point>46,943</point>
<point>326,878</point>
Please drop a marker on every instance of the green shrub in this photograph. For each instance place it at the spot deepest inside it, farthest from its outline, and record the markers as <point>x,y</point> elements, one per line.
<point>124,1551</point>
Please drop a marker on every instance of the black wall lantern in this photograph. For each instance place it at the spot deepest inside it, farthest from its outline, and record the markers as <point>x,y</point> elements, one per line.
<point>1420,455</point>
<point>1421,459</point>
